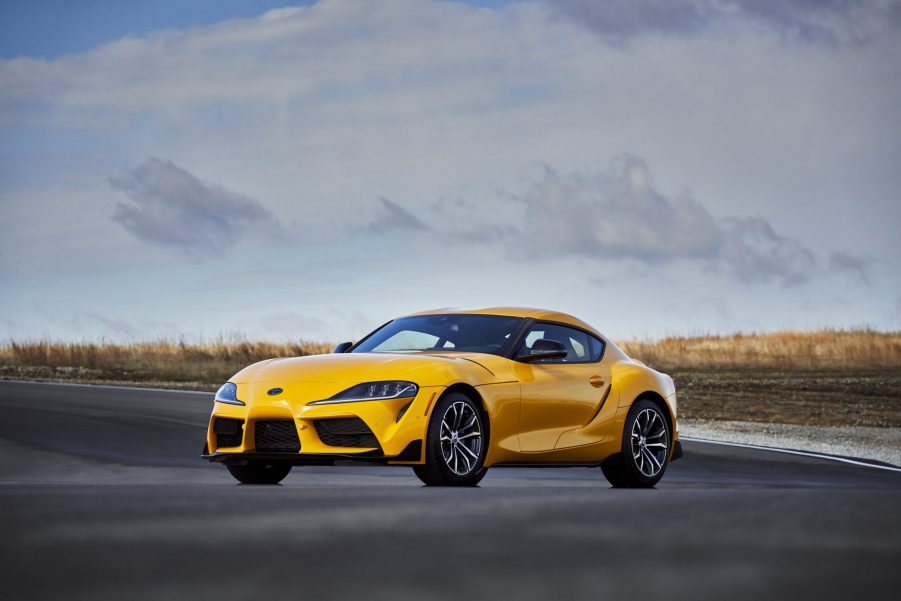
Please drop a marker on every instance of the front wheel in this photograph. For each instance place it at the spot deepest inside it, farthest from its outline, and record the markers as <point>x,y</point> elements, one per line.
<point>456,444</point>
<point>645,450</point>
<point>259,472</point>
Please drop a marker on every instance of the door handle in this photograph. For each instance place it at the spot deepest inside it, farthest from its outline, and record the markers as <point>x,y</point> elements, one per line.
<point>596,381</point>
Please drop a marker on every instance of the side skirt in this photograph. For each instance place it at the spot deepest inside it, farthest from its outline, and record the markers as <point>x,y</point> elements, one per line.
<point>534,465</point>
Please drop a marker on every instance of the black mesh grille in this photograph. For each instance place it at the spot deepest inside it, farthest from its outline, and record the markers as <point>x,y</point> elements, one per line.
<point>347,432</point>
<point>280,435</point>
<point>229,432</point>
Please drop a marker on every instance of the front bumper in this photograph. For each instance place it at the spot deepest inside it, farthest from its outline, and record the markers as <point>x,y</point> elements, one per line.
<point>396,433</point>
<point>412,455</point>
<point>677,451</point>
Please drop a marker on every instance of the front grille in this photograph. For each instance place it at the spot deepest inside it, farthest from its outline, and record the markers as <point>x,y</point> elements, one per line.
<point>280,435</point>
<point>346,432</point>
<point>229,432</point>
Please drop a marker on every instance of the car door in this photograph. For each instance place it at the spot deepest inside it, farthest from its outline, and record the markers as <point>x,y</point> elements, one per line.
<point>559,394</point>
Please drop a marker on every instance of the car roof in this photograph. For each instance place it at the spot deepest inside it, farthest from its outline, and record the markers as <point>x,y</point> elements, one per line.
<point>530,312</point>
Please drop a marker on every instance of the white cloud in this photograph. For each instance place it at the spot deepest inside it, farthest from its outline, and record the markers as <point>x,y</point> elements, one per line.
<point>620,213</point>
<point>844,262</point>
<point>173,208</point>
<point>615,213</point>
<point>317,111</point>
<point>813,20</point>
<point>391,216</point>
<point>756,252</point>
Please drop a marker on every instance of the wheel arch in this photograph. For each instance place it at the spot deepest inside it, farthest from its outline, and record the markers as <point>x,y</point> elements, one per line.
<point>473,394</point>
<point>657,399</point>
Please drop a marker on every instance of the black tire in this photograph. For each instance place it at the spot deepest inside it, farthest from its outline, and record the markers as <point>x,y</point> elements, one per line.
<point>625,470</point>
<point>260,472</point>
<point>453,462</point>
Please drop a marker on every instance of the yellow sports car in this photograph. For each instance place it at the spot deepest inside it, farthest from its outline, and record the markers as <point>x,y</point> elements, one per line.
<point>451,393</point>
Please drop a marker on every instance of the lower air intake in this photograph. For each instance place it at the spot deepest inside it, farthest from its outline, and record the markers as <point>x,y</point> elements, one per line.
<point>278,436</point>
<point>346,432</point>
<point>229,432</point>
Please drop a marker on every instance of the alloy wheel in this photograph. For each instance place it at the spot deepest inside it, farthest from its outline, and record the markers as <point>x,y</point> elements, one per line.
<point>461,438</point>
<point>650,442</point>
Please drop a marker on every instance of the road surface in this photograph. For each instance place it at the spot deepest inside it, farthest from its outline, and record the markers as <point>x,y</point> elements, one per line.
<point>104,496</point>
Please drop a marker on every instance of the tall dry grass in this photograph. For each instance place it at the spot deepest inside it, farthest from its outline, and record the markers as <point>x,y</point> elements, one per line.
<point>208,364</point>
<point>818,349</point>
<point>161,361</point>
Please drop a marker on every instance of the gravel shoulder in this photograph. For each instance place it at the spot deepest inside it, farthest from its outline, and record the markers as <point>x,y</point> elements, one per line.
<point>877,444</point>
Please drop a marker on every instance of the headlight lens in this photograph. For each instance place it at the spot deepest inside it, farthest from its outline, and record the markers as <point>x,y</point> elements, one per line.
<point>228,394</point>
<point>373,391</point>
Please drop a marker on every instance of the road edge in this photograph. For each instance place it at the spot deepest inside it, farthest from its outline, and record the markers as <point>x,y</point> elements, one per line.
<point>848,460</point>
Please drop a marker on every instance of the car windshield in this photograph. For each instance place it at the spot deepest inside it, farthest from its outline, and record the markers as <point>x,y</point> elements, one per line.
<point>446,332</point>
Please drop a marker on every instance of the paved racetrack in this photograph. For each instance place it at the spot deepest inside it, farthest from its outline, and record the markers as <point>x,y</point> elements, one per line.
<point>103,496</point>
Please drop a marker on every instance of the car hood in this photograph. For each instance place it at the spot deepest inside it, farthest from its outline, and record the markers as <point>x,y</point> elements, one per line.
<point>424,369</point>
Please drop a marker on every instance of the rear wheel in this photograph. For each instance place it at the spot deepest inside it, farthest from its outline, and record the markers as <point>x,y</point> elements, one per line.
<point>456,444</point>
<point>259,472</point>
<point>645,450</point>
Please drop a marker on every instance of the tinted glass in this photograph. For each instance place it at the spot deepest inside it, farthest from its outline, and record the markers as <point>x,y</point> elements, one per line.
<point>580,346</point>
<point>470,333</point>
<point>597,348</point>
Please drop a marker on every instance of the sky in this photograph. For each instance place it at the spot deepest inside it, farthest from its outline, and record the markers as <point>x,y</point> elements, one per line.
<point>284,171</point>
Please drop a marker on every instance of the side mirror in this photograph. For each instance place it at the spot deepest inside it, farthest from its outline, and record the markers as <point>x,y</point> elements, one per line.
<point>343,347</point>
<point>544,348</point>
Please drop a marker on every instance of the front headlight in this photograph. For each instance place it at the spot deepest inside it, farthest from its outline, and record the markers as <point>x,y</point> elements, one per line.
<point>228,394</point>
<point>373,391</point>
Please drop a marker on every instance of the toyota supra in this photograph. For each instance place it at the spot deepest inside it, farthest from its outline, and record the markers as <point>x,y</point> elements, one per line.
<point>452,393</point>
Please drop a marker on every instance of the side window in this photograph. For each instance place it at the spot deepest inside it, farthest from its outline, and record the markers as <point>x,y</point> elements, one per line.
<point>580,346</point>
<point>597,348</point>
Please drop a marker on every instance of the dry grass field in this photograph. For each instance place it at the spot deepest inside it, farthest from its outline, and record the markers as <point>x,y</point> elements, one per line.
<point>854,349</point>
<point>171,364</point>
<point>823,378</point>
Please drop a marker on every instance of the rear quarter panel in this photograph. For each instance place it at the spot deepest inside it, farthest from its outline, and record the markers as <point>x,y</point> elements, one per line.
<point>633,379</point>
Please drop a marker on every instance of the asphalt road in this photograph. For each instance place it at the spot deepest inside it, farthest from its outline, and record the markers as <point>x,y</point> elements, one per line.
<point>103,496</point>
